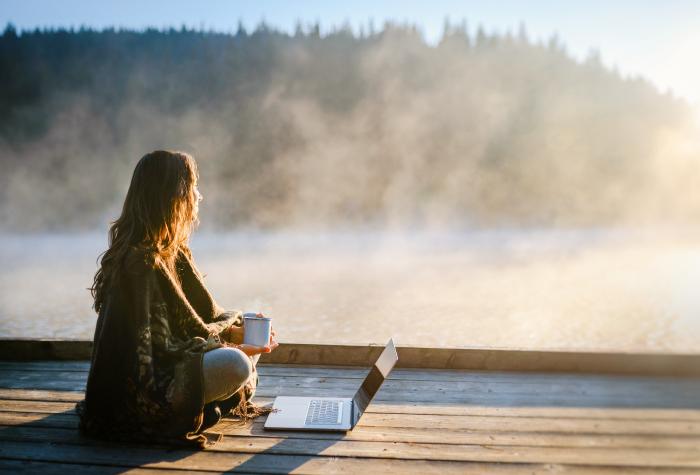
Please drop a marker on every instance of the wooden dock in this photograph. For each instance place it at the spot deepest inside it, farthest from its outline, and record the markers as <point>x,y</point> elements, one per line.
<point>424,420</point>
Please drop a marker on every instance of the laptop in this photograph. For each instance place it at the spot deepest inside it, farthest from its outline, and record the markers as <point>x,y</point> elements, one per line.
<point>335,414</point>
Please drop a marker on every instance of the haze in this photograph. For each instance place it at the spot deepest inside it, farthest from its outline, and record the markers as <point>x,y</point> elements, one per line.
<point>362,185</point>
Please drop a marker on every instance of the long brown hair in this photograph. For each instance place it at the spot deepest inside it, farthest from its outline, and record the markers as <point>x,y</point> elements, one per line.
<point>159,214</point>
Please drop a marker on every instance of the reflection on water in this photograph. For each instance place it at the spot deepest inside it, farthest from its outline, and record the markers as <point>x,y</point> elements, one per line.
<point>537,289</point>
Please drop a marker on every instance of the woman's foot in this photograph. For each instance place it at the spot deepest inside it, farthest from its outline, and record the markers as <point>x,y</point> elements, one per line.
<point>212,415</point>
<point>227,405</point>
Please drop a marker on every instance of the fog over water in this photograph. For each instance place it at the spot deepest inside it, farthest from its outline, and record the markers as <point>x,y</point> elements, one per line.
<point>323,132</point>
<point>601,289</point>
<point>487,190</point>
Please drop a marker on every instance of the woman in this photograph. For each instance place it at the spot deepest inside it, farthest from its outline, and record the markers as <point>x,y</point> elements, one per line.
<point>167,360</point>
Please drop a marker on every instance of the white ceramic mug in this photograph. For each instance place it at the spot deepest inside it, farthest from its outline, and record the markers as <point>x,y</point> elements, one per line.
<point>256,330</point>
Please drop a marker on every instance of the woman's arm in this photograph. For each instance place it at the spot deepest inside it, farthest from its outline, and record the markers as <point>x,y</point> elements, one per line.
<point>199,297</point>
<point>233,329</point>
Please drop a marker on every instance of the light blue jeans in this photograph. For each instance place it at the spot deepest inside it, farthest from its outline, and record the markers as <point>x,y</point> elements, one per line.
<point>226,370</point>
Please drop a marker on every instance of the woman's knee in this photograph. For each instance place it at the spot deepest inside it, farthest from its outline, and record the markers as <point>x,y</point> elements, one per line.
<point>239,364</point>
<point>225,371</point>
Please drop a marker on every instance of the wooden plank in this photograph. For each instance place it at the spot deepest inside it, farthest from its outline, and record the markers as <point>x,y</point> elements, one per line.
<point>494,378</point>
<point>462,381</point>
<point>460,422</point>
<point>674,394</point>
<point>41,394</point>
<point>256,463</point>
<point>33,401</point>
<point>455,398</point>
<point>533,424</point>
<point>476,436</point>
<point>357,373</point>
<point>463,452</point>
<point>56,369</point>
<point>520,436</point>
<point>41,407</point>
<point>458,380</point>
<point>346,447</point>
<point>389,394</point>
<point>491,359</point>
<point>46,365</point>
<point>382,451</point>
<point>20,349</point>
<point>567,361</point>
<point>55,401</point>
<point>60,420</point>
<point>450,423</point>
<point>51,468</point>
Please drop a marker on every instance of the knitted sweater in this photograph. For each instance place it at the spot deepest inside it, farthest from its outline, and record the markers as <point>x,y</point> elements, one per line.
<point>145,380</point>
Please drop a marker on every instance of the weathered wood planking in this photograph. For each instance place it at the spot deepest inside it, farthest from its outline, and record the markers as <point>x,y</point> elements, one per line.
<point>31,424</point>
<point>21,466</point>
<point>392,450</point>
<point>46,401</point>
<point>579,432</point>
<point>581,428</point>
<point>490,359</point>
<point>556,449</point>
<point>252,462</point>
<point>351,372</point>
<point>545,390</point>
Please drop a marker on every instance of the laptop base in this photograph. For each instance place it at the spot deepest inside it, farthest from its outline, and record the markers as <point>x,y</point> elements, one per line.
<point>290,413</point>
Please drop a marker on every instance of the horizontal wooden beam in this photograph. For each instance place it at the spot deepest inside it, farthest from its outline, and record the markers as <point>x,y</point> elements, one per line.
<point>482,359</point>
<point>28,349</point>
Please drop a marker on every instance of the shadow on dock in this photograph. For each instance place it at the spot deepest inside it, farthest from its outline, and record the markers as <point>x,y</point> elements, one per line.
<point>52,443</point>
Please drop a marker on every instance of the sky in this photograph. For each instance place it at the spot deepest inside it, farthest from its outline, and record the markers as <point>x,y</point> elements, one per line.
<point>659,40</point>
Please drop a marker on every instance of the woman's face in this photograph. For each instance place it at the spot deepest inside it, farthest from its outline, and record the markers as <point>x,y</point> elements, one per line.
<point>197,198</point>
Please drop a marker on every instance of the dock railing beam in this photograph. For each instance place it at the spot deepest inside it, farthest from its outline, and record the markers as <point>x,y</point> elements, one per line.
<point>473,359</point>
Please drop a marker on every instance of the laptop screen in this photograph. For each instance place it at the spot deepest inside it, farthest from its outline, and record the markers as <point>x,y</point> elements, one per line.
<point>381,369</point>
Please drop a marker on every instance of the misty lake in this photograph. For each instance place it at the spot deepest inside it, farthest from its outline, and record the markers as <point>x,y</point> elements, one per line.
<point>599,289</point>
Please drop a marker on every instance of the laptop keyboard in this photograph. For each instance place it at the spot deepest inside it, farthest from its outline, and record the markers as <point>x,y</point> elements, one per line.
<point>324,412</point>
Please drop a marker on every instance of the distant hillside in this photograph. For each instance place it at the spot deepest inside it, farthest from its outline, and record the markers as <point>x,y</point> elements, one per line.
<point>307,131</point>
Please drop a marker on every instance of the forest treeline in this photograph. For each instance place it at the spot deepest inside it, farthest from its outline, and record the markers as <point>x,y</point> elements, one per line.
<point>342,129</point>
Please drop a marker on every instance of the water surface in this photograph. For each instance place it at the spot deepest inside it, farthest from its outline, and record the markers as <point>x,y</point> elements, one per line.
<point>600,289</point>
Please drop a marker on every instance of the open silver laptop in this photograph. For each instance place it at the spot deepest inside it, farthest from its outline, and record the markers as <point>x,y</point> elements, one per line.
<point>332,413</point>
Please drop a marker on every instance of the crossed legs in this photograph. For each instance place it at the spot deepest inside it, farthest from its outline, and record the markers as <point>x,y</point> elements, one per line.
<point>226,370</point>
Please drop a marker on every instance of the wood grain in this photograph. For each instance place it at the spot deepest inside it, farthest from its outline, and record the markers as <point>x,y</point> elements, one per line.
<point>422,421</point>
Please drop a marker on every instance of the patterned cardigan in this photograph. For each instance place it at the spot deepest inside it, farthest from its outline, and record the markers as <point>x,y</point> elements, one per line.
<point>145,381</point>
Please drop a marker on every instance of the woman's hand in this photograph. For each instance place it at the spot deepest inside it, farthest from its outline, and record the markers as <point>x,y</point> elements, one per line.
<point>252,350</point>
<point>233,334</point>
